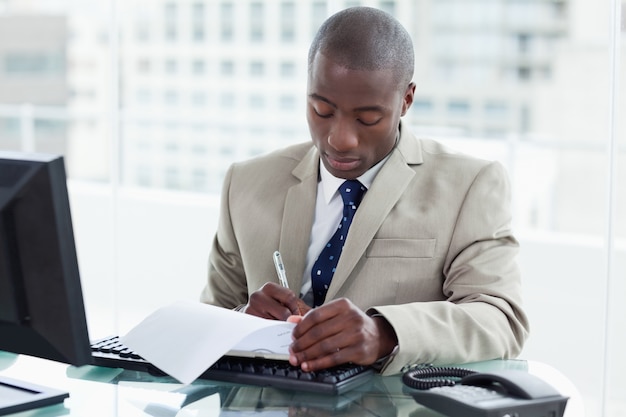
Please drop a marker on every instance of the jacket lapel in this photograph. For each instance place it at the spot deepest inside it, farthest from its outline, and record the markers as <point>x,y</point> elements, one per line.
<point>298,219</point>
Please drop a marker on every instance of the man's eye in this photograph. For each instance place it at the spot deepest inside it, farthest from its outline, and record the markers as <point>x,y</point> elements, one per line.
<point>369,122</point>
<point>323,115</point>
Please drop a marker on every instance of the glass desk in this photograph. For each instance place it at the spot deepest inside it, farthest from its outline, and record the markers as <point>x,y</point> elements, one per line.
<point>105,392</point>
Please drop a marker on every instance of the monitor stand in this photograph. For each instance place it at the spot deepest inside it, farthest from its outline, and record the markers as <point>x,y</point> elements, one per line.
<point>18,395</point>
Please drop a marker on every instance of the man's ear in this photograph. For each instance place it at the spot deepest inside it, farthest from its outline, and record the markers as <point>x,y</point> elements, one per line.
<point>408,98</point>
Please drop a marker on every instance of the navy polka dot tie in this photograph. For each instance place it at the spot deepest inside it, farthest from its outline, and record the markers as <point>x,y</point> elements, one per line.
<point>324,267</point>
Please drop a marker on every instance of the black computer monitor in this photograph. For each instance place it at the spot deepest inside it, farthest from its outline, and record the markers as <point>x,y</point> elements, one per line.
<point>41,301</point>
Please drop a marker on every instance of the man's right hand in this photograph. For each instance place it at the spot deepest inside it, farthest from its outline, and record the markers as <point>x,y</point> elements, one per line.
<point>273,301</point>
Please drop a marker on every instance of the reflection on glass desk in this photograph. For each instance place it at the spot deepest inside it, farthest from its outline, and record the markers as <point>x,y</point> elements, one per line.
<point>106,392</point>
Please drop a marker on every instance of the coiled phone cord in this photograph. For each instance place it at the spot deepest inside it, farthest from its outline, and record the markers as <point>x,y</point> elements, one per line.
<point>424,377</point>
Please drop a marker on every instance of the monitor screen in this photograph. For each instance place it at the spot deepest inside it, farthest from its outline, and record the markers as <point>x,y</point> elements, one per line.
<point>41,301</point>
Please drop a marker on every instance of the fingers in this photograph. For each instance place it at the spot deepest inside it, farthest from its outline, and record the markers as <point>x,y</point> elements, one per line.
<point>294,319</point>
<point>303,308</point>
<point>324,356</point>
<point>273,301</point>
<point>335,333</point>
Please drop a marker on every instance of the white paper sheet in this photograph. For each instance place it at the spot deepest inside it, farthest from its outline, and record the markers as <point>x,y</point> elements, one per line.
<point>186,338</point>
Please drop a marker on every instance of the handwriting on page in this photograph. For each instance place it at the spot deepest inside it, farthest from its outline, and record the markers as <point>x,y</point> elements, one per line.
<point>269,340</point>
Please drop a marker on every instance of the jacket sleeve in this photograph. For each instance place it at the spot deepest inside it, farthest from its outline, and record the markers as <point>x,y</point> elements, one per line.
<point>226,286</point>
<point>481,317</point>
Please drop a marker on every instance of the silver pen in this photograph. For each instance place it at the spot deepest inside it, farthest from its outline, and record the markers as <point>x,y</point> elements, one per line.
<point>282,275</point>
<point>280,269</point>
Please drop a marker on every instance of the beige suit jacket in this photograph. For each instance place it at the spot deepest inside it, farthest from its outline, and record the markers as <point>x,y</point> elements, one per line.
<point>430,247</point>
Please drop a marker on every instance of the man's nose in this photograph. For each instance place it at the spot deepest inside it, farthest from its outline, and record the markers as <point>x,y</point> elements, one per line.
<point>342,137</point>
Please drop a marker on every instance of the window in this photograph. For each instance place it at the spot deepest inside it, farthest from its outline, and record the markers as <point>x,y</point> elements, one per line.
<point>170,30</point>
<point>9,127</point>
<point>227,100</point>
<point>42,63</point>
<point>142,33</point>
<point>198,33</point>
<point>257,22</point>
<point>538,85</point>
<point>198,22</point>
<point>524,119</point>
<point>257,101</point>
<point>257,69</point>
<point>172,147</point>
<point>199,179</point>
<point>227,68</point>
<point>170,11</point>
<point>287,21</point>
<point>318,15</point>
<point>171,178</point>
<point>422,106</point>
<point>171,33</point>
<point>458,107</point>
<point>198,99</point>
<point>389,6</point>
<point>198,67</point>
<point>496,109</point>
<point>524,73</point>
<point>144,96</point>
<point>523,40</point>
<point>171,98</point>
<point>144,66</point>
<point>227,21</point>
<point>197,11</point>
<point>287,102</point>
<point>287,69</point>
<point>144,176</point>
<point>171,66</point>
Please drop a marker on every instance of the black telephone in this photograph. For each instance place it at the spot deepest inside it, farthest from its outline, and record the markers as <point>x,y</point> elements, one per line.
<point>467,393</point>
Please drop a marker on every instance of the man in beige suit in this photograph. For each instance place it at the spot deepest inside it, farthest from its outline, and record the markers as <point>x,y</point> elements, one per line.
<point>427,273</point>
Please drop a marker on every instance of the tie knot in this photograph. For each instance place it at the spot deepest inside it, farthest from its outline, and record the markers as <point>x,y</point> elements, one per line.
<point>352,192</point>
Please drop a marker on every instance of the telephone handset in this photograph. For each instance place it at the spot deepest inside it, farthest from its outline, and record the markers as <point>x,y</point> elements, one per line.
<point>467,393</point>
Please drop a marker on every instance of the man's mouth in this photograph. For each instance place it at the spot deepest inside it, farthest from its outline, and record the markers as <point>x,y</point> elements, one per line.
<point>342,164</point>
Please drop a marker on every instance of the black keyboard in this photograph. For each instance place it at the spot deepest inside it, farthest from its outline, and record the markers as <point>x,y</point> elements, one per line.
<point>110,352</point>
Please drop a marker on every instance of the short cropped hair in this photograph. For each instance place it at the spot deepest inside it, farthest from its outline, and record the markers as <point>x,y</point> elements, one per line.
<point>367,39</point>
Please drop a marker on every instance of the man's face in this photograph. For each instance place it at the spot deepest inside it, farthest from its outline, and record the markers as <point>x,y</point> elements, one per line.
<point>353,115</point>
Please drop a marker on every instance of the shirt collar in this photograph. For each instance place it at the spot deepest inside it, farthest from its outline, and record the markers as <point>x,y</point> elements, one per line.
<point>330,183</point>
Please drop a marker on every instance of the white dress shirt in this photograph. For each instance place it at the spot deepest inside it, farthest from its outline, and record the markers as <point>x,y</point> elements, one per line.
<point>328,212</point>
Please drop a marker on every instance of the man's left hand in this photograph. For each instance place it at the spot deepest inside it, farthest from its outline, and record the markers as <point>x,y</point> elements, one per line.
<point>337,333</point>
